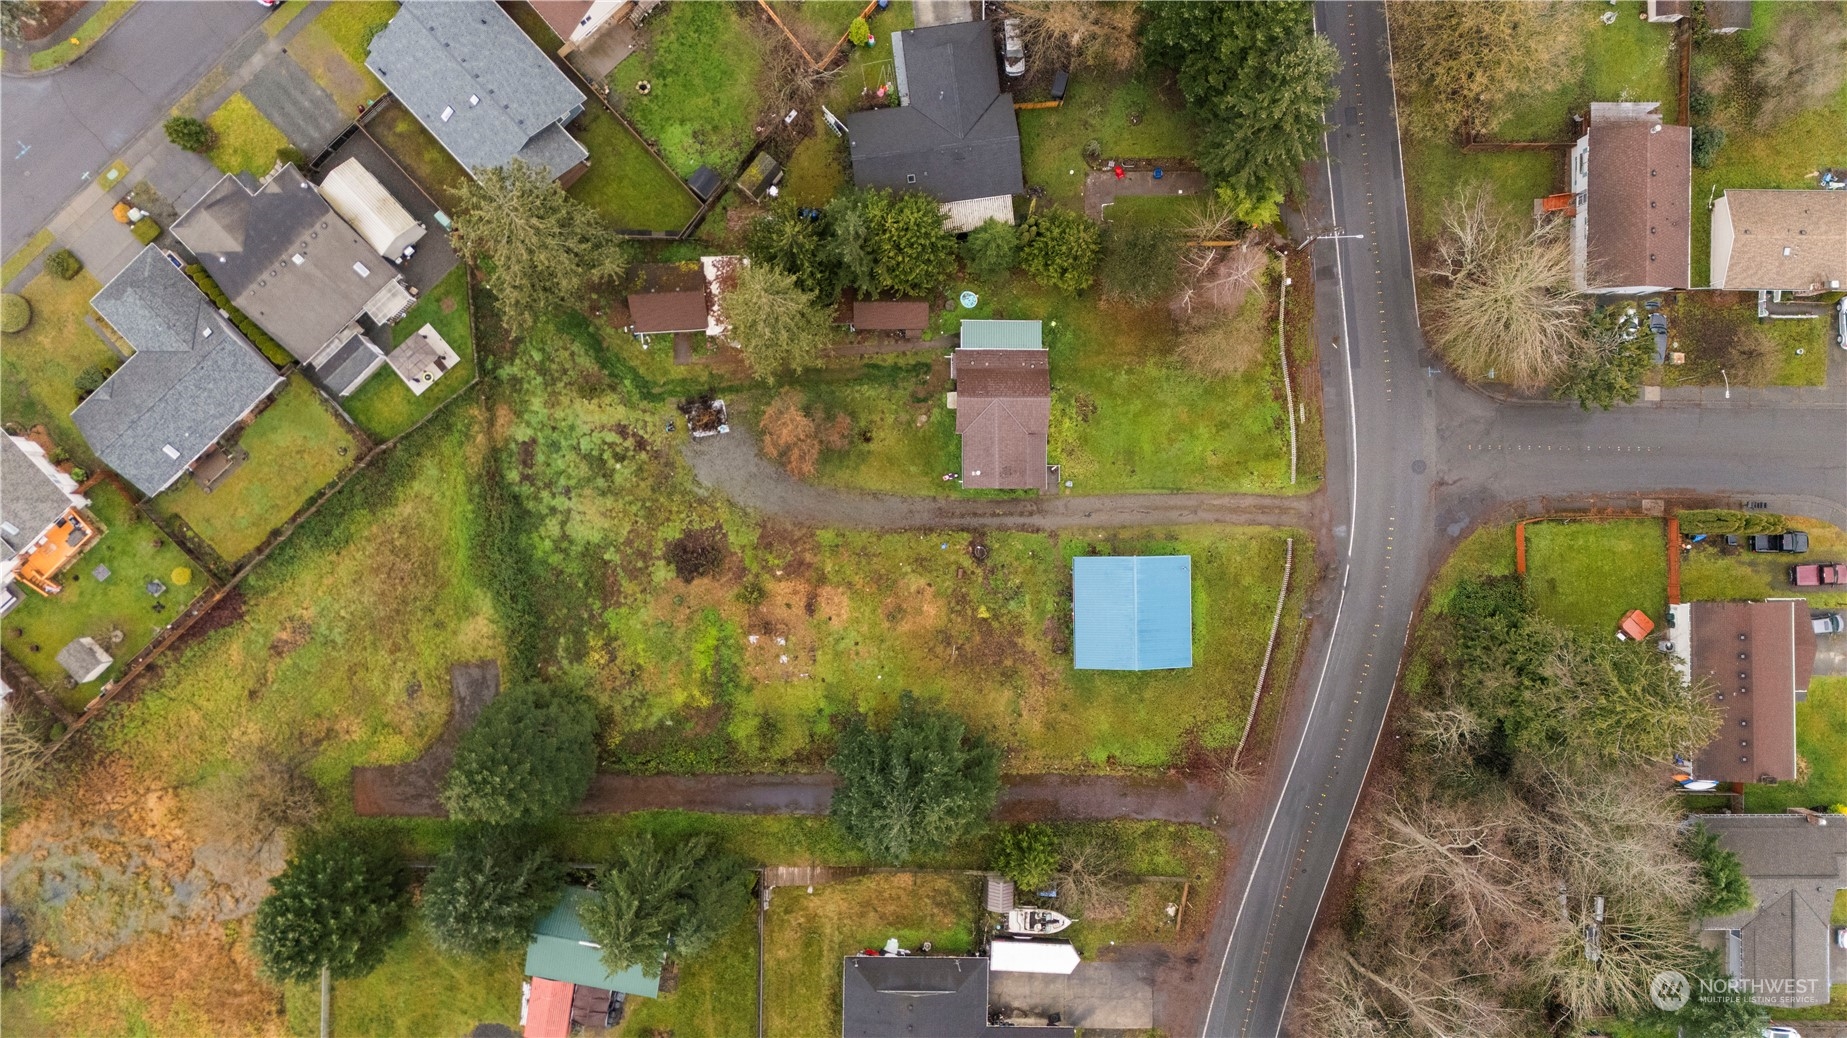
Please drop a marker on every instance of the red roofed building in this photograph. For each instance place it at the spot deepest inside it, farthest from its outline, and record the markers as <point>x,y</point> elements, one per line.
<point>1633,178</point>
<point>1755,660</point>
<point>548,1009</point>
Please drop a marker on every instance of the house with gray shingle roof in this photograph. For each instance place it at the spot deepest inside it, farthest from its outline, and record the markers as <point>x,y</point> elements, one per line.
<point>291,264</point>
<point>1779,950</point>
<point>192,376</point>
<point>954,135</point>
<point>480,86</point>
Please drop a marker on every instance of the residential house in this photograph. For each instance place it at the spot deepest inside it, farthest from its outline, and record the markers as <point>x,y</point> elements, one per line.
<point>669,298</point>
<point>1665,11</point>
<point>1003,404</point>
<point>192,378</point>
<point>1728,16</point>
<point>43,527</point>
<point>1779,951</point>
<point>1132,612</point>
<point>1757,658</point>
<point>1780,241</point>
<point>954,135</point>
<point>1632,178</point>
<point>368,206</point>
<point>482,88</point>
<point>941,996</point>
<point>282,255</point>
<point>570,984</point>
<point>907,317</point>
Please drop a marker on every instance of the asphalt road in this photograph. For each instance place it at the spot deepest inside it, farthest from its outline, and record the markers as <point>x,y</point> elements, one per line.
<point>1415,459</point>
<point>60,126</point>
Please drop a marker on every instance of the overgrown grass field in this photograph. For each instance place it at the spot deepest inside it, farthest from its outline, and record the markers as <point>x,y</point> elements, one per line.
<point>1709,575</point>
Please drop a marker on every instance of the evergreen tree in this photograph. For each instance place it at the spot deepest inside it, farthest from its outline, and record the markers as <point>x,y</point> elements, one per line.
<point>1059,249</point>
<point>338,904</point>
<point>658,899</point>
<point>488,889</point>
<point>530,757</point>
<point>916,787</point>
<point>538,246</point>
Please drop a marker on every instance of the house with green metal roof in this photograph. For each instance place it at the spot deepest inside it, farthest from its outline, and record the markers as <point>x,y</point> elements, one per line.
<point>562,950</point>
<point>1001,335</point>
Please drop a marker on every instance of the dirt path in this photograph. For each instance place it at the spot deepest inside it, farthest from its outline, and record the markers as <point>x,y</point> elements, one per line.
<point>733,466</point>
<point>410,789</point>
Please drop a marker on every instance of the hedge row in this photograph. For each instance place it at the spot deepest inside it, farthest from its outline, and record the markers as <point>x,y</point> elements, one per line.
<point>1719,520</point>
<point>257,336</point>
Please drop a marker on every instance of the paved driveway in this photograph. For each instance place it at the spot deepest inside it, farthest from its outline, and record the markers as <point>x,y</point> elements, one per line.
<point>73,122</point>
<point>942,12</point>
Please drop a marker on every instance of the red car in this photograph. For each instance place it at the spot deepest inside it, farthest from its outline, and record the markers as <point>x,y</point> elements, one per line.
<point>1821,574</point>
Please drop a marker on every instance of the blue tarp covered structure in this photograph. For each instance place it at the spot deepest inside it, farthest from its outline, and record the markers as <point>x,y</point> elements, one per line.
<point>1133,613</point>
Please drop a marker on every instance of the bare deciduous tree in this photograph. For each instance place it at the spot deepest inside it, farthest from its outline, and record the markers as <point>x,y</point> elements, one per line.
<point>1802,66</point>
<point>21,753</point>
<point>1507,308</point>
<point>1096,35</point>
<point>1457,63</point>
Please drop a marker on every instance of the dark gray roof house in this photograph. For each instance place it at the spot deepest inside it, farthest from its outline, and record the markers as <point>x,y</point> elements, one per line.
<point>954,135</point>
<point>291,264</point>
<point>1779,951</point>
<point>894,996</point>
<point>480,85</point>
<point>191,378</point>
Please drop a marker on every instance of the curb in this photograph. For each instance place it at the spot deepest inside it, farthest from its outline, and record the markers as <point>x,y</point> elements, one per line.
<point>41,73</point>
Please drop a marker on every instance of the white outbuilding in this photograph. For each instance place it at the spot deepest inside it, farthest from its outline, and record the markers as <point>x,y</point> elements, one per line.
<point>362,201</point>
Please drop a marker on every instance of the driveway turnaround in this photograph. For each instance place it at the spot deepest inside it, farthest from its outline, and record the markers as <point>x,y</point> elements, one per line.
<point>64,125</point>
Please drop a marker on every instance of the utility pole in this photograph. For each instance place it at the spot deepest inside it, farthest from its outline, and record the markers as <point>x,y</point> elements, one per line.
<point>326,1000</point>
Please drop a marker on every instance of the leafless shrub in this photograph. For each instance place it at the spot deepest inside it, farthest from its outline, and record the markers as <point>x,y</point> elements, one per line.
<point>1098,35</point>
<point>1802,66</point>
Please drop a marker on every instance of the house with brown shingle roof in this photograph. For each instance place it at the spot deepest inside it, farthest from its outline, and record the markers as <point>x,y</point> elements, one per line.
<point>1632,175</point>
<point>1787,241</point>
<point>1755,660</point>
<point>903,316</point>
<point>1003,404</point>
<point>671,297</point>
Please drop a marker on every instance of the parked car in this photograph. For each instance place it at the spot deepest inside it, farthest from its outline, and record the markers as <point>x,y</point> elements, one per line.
<point>1840,322</point>
<point>1826,623</point>
<point>1794,542</point>
<point>1013,50</point>
<point>1780,1031</point>
<point>1819,574</point>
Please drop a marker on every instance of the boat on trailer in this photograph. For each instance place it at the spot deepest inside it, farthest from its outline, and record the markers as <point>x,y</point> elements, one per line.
<point>1036,921</point>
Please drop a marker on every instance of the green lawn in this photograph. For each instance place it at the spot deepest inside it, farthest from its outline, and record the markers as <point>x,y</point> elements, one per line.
<point>25,254</point>
<point>398,132</point>
<point>84,35</point>
<point>385,407</point>
<point>41,363</point>
<point>246,142</point>
<point>394,1000</point>
<point>1785,154</point>
<point>625,182</point>
<point>332,48</point>
<point>296,447</point>
<point>1628,60</point>
<point>819,24</point>
<point>97,609</point>
<point>1133,118</point>
<point>807,935</point>
<point>717,993</point>
<point>1821,742</point>
<point>1127,415</point>
<point>1436,170</point>
<point>816,172</point>
<point>867,68</point>
<point>701,65</point>
<point>1709,575</point>
<point>1588,575</point>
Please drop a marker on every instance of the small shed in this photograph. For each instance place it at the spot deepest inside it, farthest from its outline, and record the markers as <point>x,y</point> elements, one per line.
<point>84,660</point>
<point>1002,335</point>
<point>362,201</point>
<point>904,316</point>
<point>671,298</point>
<point>999,897</point>
<point>763,173</point>
<point>562,950</point>
<point>1635,626</point>
<point>1132,613</point>
<point>1032,955</point>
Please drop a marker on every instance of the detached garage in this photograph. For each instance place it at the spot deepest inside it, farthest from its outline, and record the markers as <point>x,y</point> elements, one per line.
<point>362,201</point>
